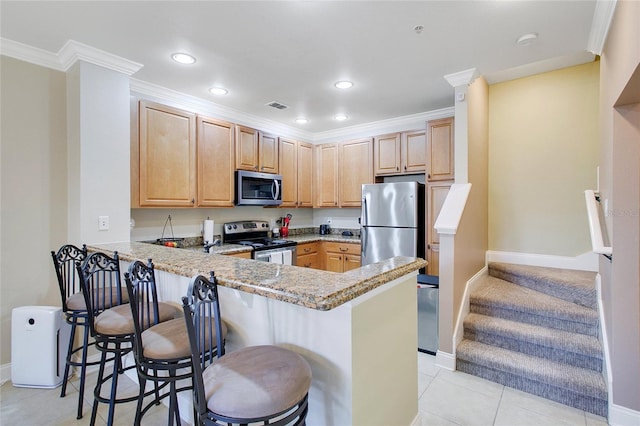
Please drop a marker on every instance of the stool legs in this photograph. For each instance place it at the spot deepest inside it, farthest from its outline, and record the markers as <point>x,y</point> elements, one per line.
<point>82,364</point>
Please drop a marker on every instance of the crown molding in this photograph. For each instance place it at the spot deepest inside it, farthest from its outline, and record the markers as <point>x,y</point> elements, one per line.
<point>407,122</point>
<point>602,17</point>
<point>462,78</point>
<point>201,106</point>
<point>29,54</point>
<point>69,54</point>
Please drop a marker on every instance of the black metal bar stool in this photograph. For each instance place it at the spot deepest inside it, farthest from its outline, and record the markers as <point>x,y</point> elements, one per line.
<point>112,328</point>
<point>258,384</point>
<point>161,349</point>
<point>75,312</point>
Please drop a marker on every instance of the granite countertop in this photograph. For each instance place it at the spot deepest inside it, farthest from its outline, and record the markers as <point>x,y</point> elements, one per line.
<point>312,288</point>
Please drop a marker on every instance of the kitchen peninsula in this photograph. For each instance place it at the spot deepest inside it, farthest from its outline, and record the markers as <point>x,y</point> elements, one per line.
<point>357,330</point>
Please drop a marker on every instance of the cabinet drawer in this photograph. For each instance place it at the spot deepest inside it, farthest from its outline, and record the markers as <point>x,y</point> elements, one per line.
<point>311,260</point>
<point>243,255</point>
<point>347,248</point>
<point>307,248</point>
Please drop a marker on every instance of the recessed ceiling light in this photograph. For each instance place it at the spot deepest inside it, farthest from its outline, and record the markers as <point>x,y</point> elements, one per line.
<point>527,39</point>
<point>301,120</point>
<point>344,84</point>
<point>341,117</point>
<point>183,58</point>
<point>218,91</point>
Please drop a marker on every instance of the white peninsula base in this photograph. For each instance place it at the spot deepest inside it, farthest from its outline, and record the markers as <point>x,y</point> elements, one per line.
<point>363,353</point>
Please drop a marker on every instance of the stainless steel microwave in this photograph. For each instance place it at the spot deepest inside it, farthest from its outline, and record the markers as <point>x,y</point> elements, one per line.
<point>258,189</point>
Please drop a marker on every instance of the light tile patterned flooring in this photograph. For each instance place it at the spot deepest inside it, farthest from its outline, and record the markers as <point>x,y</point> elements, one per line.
<point>446,399</point>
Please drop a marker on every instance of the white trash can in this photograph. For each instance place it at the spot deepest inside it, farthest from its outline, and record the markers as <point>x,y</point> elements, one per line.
<point>39,341</point>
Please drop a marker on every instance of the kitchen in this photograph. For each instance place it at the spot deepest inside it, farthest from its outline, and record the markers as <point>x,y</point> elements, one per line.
<point>148,221</point>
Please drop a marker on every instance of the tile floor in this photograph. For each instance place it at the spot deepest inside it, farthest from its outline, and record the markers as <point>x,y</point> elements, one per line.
<point>446,399</point>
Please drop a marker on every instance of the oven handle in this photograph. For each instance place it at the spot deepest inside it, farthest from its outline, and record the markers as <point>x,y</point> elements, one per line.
<point>275,189</point>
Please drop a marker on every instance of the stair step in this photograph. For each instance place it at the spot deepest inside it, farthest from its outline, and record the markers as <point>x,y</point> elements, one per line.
<point>577,387</point>
<point>499,298</point>
<point>574,349</point>
<point>566,284</point>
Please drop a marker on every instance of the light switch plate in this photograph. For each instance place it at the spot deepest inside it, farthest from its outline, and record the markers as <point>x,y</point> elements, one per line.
<point>103,223</point>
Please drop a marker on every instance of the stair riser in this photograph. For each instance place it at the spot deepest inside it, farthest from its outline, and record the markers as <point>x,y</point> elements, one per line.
<point>582,402</point>
<point>530,318</point>
<point>557,290</point>
<point>554,354</point>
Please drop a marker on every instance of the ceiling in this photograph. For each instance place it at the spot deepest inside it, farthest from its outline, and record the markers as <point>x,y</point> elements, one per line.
<point>293,52</point>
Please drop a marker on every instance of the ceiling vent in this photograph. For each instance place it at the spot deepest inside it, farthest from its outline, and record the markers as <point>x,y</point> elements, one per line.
<point>277,105</point>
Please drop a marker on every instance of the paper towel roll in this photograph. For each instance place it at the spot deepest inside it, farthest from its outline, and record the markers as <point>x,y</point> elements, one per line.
<point>207,235</point>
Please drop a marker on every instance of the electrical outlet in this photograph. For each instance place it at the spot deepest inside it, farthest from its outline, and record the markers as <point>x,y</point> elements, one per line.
<point>103,223</point>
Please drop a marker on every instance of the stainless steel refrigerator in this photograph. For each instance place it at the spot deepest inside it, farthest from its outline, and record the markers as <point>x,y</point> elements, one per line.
<point>392,221</point>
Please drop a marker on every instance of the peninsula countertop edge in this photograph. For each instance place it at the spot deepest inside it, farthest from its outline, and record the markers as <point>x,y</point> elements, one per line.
<point>311,288</point>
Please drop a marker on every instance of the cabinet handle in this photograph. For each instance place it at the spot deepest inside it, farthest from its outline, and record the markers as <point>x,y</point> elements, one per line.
<point>307,250</point>
<point>397,168</point>
<point>307,265</point>
<point>405,168</point>
<point>344,249</point>
<point>429,176</point>
<point>193,201</point>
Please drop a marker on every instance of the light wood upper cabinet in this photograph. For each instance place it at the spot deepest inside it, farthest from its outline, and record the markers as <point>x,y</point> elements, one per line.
<point>326,175</point>
<point>341,170</point>
<point>256,151</point>
<point>440,150</point>
<point>267,153</point>
<point>400,153</point>
<point>356,168</point>
<point>414,151</point>
<point>386,154</point>
<point>436,194</point>
<point>166,172</point>
<point>289,172</point>
<point>215,147</point>
<point>296,168</point>
<point>246,141</point>
<point>305,174</point>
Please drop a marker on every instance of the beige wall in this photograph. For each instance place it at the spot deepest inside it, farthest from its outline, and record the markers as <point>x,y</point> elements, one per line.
<point>543,136</point>
<point>471,240</point>
<point>33,185</point>
<point>620,178</point>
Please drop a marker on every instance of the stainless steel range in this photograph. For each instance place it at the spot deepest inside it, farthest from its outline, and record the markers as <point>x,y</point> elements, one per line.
<point>255,233</point>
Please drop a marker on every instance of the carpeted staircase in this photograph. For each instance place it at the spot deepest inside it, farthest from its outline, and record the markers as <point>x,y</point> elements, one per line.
<point>536,329</point>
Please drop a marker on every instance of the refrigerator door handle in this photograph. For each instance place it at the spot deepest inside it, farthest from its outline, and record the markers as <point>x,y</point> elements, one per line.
<point>363,245</point>
<point>365,212</point>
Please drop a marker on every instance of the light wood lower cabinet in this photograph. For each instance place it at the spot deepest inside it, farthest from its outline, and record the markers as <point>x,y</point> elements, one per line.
<point>436,194</point>
<point>340,257</point>
<point>308,256</point>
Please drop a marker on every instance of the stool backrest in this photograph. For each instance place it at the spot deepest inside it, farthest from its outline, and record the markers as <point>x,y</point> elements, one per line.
<point>202,316</point>
<point>143,298</point>
<point>64,263</point>
<point>101,285</point>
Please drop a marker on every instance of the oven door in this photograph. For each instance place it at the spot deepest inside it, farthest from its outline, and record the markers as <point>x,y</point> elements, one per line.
<point>284,256</point>
<point>258,189</point>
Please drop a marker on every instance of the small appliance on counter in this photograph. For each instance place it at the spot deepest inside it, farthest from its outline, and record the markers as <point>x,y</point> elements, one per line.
<point>325,229</point>
<point>255,234</point>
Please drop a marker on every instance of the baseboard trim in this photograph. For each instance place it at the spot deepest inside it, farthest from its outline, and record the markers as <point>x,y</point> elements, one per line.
<point>465,309</point>
<point>622,416</point>
<point>5,373</point>
<point>584,262</point>
<point>446,360</point>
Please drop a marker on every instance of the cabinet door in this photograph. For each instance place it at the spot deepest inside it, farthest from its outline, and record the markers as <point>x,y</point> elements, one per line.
<point>305,174</point>
<point>440,150</point>
<point>356,169</point>
<point>246,148</point>
<point>437,193</point>
<point>326,175</point>
<point>386,154</point>
<point>334,262</point>
<point>414,151</point>
<point>268,153</point>
<point>311,260</point>
<point>215,163</point>
<point>351,262</point>
<point>167,156</point>
<point>289,172</point>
